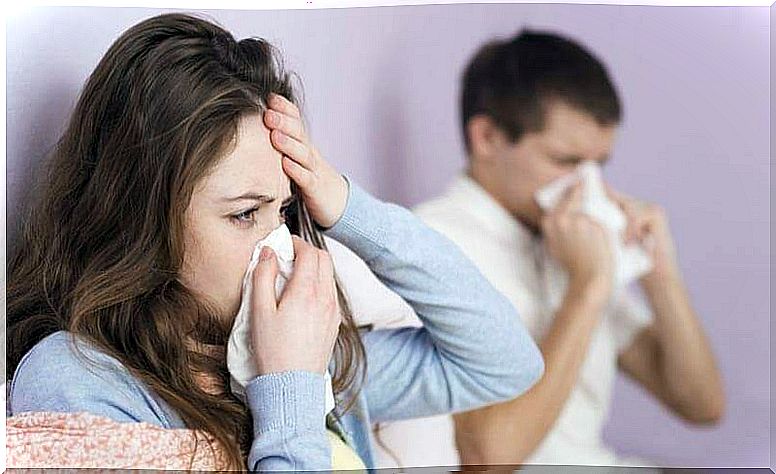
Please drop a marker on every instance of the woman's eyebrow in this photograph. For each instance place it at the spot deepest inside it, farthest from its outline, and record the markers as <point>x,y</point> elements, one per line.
<point>263,198</point>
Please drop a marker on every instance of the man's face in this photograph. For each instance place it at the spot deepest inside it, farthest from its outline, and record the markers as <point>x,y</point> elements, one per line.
<point>569,138</point>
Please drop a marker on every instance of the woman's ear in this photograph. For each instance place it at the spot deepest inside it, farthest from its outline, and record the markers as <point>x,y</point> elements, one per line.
<point>486,139</point>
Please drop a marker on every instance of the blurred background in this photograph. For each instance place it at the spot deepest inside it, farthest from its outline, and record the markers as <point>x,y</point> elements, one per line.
<point>380,89</point>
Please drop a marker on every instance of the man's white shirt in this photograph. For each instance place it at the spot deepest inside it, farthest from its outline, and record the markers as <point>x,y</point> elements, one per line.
<point>513,259</point>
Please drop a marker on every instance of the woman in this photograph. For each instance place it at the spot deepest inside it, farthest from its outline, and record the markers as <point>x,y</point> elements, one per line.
<point>181,155</point>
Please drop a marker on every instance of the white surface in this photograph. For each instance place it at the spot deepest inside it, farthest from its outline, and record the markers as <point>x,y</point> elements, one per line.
<point>313,4</point>
<point>2,454</point>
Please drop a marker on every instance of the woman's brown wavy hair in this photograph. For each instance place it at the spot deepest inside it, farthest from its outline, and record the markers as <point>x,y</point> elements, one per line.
<point>101,248</point>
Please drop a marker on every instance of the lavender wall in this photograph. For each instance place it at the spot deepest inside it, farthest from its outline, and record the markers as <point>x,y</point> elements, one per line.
<point>381,88</point>
<point>773,237</point>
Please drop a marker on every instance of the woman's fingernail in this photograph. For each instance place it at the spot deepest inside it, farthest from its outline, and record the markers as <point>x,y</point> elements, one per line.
<point>266,252</point>
<point>272,117</point>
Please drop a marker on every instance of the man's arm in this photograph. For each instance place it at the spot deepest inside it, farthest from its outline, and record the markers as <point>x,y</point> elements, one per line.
<point>672,358</point>
<point>509,432</point>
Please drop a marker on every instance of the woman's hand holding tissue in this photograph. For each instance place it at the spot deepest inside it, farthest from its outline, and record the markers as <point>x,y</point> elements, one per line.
<point>325,191</point>
<point>298,332</point>
<point>580,245</point>
<point>648,224</point>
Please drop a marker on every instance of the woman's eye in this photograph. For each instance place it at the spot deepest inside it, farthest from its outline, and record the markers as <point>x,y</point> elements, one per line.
<point>565,163</point>
<point>245,217</point>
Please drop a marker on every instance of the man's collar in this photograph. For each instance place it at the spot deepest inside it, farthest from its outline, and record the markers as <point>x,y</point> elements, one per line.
<point>491,216</point>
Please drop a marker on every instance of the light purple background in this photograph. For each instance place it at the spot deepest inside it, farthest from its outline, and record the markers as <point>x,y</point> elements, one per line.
<point>381,92</point>
<point>773,238</point>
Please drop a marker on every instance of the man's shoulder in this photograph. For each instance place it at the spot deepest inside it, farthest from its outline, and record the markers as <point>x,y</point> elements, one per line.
<point>437,206</point>
<point>445,213</point>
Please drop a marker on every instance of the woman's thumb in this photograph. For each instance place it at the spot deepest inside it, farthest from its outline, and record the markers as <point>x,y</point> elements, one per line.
<point>264,276</point>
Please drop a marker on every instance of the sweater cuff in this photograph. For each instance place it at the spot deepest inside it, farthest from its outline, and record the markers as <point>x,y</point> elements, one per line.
<point>360,226</point>
<point>288,400</point>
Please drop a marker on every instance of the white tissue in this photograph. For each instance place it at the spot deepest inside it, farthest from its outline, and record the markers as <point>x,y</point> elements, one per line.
<point>239,353</point>
<point>630,261</point>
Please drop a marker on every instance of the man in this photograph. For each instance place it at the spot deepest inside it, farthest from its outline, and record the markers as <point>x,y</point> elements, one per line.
<point>533,108</point>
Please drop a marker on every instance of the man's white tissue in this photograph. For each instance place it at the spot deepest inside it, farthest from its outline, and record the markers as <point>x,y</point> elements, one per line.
<point>630,261</point>
<point>239,353</point>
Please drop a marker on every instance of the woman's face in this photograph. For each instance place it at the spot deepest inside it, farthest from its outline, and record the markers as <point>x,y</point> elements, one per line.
<point>240,202</point>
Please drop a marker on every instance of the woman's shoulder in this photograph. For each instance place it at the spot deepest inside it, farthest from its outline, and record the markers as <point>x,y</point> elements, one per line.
<point>57,353</point>
<point>64,373</point>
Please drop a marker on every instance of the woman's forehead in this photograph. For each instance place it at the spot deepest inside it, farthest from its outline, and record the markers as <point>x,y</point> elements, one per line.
<point>253,165</point>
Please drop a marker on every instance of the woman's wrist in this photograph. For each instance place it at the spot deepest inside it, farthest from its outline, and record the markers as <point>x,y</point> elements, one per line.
<point>292,400</point>
<point>340,199</point>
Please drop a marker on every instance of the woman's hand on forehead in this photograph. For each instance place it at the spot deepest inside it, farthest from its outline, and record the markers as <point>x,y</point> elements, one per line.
<point>325,190</point>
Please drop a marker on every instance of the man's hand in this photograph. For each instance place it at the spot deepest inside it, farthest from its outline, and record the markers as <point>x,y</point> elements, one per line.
<point>648,225</point>
<point>579,244</point>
